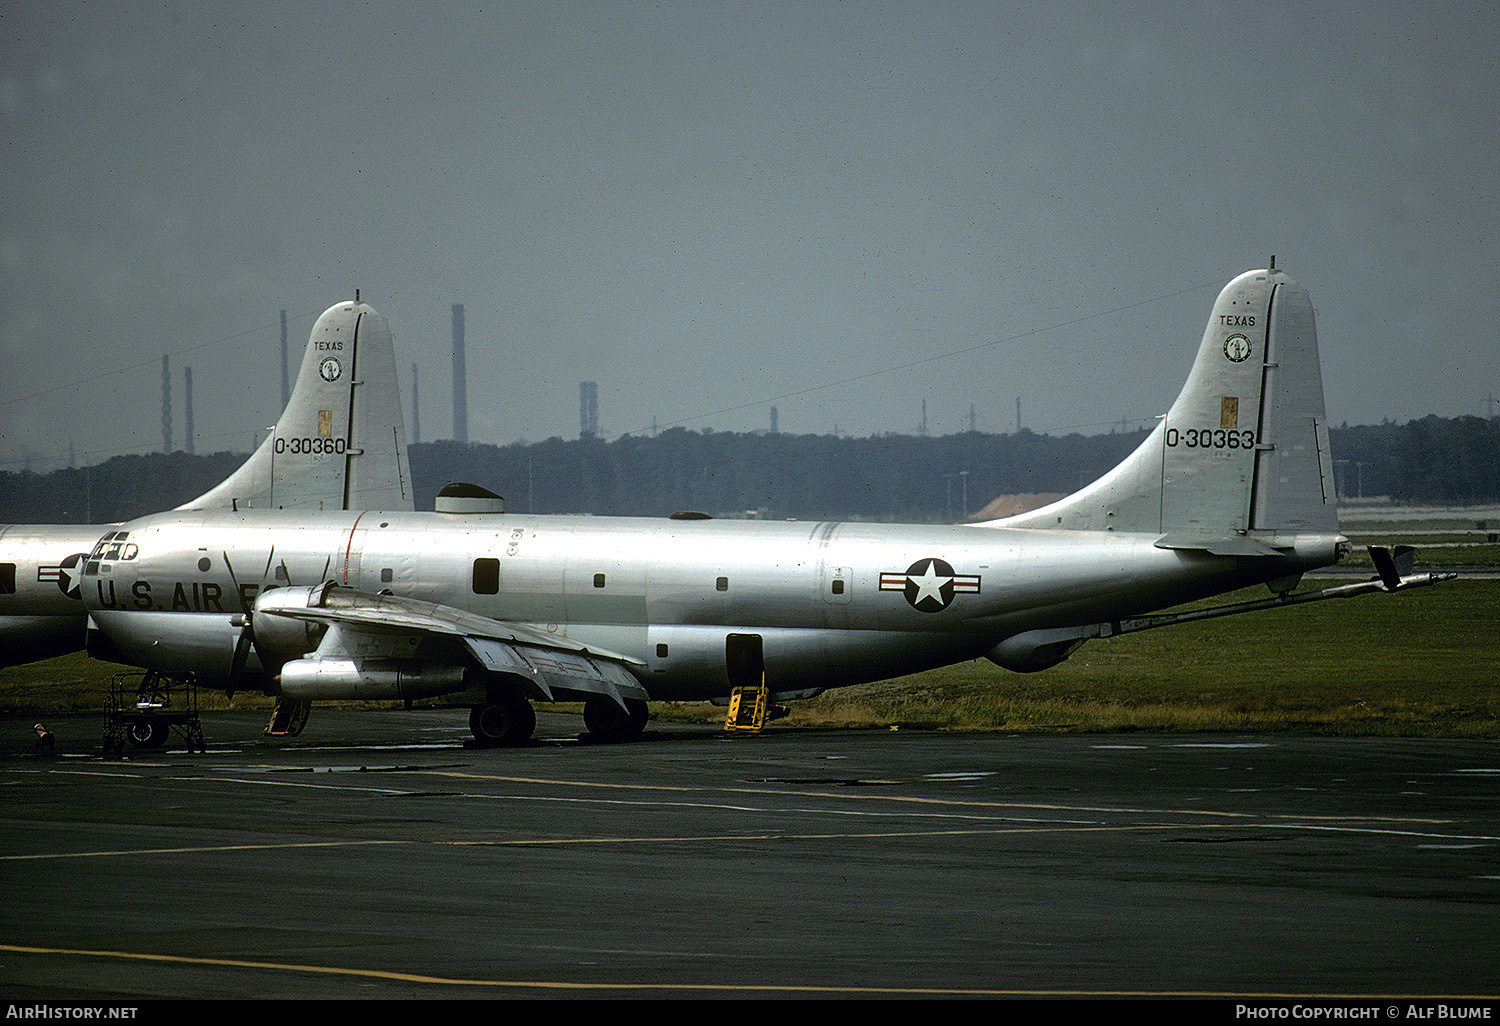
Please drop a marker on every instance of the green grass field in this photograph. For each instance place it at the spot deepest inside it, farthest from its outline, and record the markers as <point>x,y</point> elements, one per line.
<point>1425,662</point>
<point>1420,663</point>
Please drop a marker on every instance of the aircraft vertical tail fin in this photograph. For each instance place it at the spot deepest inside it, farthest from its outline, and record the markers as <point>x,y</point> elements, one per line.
<point>1243,449</point>
<point>341,441</point>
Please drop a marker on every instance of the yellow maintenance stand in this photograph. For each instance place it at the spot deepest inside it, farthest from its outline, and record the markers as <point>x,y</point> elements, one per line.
<point>744,655</point>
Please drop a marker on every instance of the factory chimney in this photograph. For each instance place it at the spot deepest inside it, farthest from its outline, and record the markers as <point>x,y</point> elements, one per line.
<point>187,435</point>
<point>460,387</point>
<point>166,405</point>
<point>416,423</point>
<point>588,409</point>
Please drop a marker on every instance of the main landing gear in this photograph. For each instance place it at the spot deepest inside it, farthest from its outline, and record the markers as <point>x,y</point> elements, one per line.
<point>504,721</point>
<point>606,721</point>
<point>507,720</point>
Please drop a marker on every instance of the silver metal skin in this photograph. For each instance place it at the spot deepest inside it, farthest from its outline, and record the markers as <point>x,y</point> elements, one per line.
<point>339,444</point>
<point>41,613</point>
<point>1233,488</point>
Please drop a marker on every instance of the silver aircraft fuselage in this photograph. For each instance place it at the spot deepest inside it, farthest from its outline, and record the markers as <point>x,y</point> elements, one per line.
<point>835,603</point>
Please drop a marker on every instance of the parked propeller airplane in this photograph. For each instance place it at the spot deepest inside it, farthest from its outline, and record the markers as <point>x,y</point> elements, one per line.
<point>492,610</point>
<point>339,444</point>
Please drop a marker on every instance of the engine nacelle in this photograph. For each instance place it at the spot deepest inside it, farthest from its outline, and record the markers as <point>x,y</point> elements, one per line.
<point>370,679</point>
<point>286,636</point>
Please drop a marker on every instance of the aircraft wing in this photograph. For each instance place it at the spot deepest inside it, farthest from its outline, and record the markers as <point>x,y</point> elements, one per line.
<point>363,625</point>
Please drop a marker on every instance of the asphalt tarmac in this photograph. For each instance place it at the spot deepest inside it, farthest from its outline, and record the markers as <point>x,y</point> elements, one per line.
<point>377,856</point>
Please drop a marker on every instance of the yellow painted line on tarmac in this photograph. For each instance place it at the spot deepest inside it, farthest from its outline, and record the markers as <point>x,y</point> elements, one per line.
<point>846,835</point>
<point>192,850</point>
<point>739,988</point>
<point>853,796</point>
<point>842,796</point>
<point>841,836</point>
<point>521,842</point>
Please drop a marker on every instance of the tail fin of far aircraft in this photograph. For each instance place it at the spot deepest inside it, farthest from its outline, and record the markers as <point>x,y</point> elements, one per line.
<point>1243,452</point>
<point>341,441</point>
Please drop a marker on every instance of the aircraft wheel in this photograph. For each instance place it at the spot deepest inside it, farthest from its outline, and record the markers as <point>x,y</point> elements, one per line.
<point>148,733</point>
<point>606,721</point>
<point>505,724</point>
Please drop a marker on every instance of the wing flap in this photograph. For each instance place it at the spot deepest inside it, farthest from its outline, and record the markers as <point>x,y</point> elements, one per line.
<point>549,663</point>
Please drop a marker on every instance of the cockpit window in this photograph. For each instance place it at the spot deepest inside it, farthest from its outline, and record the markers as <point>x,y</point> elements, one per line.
<point>113,546</point>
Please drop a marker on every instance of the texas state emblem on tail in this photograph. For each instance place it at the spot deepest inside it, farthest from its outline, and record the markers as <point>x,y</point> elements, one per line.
<point>494,611</point>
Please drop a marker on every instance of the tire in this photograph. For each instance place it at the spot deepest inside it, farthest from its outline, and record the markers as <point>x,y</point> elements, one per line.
<point>503,724</point>
<point>606,721</point>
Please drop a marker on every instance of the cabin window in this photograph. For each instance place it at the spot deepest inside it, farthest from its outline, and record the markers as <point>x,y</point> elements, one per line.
<point>661,651</point>
<point>838,586</point>
<point>486,576</point>
<point>7,578</point>
<point>598,580</point>
<point>722,584</point>
<point>387,575</point>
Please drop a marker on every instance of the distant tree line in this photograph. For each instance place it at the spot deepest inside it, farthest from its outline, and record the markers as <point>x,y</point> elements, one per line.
<point>803,476</point>
<point>892,477</point>
<point>1442,461</point>
<point>118,489</point>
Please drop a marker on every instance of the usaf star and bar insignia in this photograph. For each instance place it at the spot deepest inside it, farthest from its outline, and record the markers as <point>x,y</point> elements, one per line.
<point>67,575</point>
<point>930,584</point>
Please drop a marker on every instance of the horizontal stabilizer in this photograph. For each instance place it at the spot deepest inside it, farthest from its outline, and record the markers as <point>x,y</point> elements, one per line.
<point>1231,545</point>
<point>1395,568</point>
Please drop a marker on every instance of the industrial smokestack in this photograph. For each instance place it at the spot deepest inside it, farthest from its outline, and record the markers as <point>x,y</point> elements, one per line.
<point>460,388</point>
<point>588,409</point>
<point>416,421</point>
<point>166,405</point>
<point>187,435</point>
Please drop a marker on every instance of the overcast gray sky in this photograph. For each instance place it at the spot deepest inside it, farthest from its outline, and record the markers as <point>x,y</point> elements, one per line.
<point>713,208</point>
